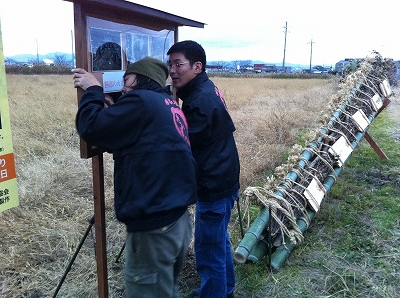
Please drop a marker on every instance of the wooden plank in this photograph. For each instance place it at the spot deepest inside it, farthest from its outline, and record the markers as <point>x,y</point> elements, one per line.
<point>100,224</point>
<point>81,55</point>
<point>87,151</point>
<point>375,146</point>
<point>384,105</point>
<point>369,138</point>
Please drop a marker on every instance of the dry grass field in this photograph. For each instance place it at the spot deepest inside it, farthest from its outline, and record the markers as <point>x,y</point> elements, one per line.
<point>39,237</point>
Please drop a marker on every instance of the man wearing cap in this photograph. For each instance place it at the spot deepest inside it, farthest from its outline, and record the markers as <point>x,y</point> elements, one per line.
<point>154,172</point>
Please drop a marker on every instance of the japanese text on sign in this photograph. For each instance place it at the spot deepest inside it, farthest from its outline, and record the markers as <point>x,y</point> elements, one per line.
<point>8,183</point>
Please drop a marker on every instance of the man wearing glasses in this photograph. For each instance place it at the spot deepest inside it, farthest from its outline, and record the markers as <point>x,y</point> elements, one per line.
<point>214,149</point>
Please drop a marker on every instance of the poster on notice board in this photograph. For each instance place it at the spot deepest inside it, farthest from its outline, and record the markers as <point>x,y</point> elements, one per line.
<point>8,177</point>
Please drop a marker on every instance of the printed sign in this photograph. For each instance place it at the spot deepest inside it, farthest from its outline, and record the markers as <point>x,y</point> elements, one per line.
<point>342,149</point>
<point>314,193</point>
<point>360,120</point>
<point>8,181</point>
<point>377,102</point>
<point>385,88</point>
<point>113,81</point>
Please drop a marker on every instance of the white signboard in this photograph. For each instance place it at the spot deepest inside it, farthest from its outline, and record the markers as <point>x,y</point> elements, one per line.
<point>385,88</point>
<point>376,101</point>
<point>113,81</point>
<point>314,194</point>
<point>341,148</point>
<point>360,120</point>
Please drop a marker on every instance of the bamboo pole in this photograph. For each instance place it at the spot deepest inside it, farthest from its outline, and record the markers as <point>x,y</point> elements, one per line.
<point>253,247</point>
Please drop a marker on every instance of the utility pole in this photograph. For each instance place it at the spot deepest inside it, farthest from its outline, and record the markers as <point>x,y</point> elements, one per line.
<point>37,51</point>
<point>311,42</point>
<point>72,50</point>
<point>284,50</point>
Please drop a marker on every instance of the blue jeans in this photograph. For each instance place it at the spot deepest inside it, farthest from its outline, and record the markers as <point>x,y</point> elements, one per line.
<point>214,262</point>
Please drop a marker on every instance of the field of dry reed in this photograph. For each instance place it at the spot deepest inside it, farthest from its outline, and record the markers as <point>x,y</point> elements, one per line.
<point>39,237</point>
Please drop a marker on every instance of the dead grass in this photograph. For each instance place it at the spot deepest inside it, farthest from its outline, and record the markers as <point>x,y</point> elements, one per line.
<point>269,113</point>
<point>55,185</point>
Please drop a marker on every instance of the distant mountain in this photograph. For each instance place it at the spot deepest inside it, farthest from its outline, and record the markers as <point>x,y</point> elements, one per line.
<point>39,58</point>
<point>24,58</point>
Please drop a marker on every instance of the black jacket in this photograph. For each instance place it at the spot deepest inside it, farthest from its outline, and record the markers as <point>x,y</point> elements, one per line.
<point>211,136</point>
<point>154,170</point>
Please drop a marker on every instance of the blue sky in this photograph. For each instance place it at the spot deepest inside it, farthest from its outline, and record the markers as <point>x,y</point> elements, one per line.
<point>235,30</point>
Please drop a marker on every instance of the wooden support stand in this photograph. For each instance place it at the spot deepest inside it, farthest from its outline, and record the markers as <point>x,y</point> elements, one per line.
<point>100,224</point>
<point>375,146</point>
<point>371,141</point>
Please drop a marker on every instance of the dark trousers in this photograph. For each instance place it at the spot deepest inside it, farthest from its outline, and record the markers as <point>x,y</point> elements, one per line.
<point>155,258</point>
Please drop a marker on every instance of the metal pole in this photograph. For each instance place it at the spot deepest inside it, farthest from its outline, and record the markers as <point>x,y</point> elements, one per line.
<point>91,222</point>
<point>240,217</point>
<point>120,253</point>
<point>270,238</point>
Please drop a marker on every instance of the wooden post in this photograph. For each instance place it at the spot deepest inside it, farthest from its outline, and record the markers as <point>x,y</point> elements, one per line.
<point>100,224</point>
<point>81,50</point>
<point>375,146</point>
<point>371,141</point>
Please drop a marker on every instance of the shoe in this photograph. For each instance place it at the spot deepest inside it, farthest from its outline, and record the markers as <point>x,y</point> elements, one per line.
<point>196,293</point>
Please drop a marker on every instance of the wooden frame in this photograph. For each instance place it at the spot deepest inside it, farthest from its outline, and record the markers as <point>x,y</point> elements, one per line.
<point>124,14</point>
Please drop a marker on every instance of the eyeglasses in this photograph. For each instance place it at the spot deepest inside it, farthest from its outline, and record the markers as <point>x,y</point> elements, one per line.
<point>177,65</point>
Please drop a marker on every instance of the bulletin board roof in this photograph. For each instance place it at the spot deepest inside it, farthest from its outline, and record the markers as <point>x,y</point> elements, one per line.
<point>131,13</point>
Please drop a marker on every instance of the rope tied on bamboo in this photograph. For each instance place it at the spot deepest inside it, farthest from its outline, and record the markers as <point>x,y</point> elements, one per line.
<point>290,196</point>
<point>277,204</point>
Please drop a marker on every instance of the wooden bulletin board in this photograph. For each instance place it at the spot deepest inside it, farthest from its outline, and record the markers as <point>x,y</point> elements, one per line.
<point>109,35</point>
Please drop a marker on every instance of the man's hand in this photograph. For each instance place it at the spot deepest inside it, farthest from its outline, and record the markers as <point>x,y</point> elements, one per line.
<point>108,100</point>
<point>84,79</point>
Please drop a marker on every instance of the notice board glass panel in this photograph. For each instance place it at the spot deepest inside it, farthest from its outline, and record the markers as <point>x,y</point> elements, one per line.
<point>113,46</point>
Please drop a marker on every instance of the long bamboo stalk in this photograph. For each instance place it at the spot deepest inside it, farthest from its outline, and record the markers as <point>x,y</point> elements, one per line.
<point>253,246</point>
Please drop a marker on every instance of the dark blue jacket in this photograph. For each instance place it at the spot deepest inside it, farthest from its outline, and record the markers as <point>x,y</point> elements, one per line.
<point>154,170</point>
<point>211,136</point>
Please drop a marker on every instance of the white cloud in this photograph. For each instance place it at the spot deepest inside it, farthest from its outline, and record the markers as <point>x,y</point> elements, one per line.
<point>36,26</point>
